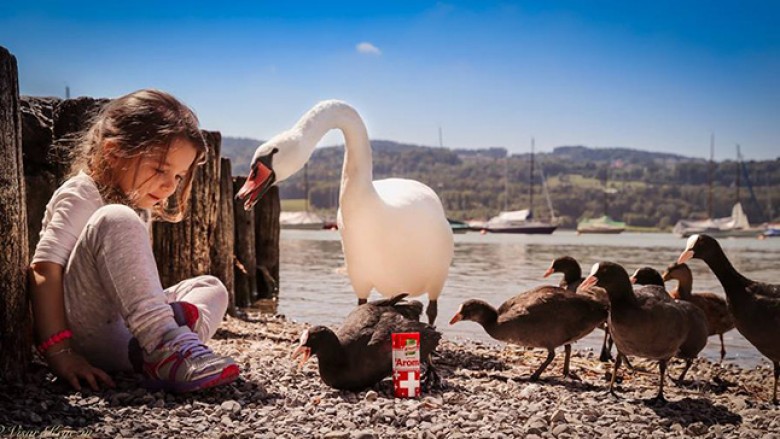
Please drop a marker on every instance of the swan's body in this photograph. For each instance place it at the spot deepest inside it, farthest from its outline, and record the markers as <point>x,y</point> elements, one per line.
<point>394,232</point>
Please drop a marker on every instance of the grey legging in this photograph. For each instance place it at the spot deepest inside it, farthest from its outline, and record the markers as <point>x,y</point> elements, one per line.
<point>113,291</point>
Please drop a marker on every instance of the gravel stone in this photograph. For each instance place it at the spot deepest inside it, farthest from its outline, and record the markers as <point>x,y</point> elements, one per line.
<point>485,394</point>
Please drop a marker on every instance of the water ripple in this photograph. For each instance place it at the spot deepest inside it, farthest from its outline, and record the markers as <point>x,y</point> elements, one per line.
<point>315,289</point>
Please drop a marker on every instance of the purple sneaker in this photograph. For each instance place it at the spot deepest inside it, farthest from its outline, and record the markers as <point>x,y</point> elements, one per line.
<point>184,313</point>
<point>181,363</point>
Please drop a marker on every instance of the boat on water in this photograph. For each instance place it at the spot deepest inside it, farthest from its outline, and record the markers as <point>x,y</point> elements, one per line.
<point>522,221</point>
<point>736,225</point>
<point>458,226</point>
<point>303,220</point>
<point>603,224</point>
<point>518,221</point>
<point>772,231</point>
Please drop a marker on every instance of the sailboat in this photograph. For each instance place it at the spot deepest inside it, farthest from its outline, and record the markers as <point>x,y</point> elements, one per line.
<point>736,225</point>
<point>521,221</point>
<point>303,220</point>
<point>603,224</point>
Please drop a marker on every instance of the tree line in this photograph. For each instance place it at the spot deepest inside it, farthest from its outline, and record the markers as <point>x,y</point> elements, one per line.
<point>646,189</point>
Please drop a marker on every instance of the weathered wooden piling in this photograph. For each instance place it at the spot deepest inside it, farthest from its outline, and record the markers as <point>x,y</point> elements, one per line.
<point>267,233</point>
<point>183,249</point>
<point>15,328</point>
<point>244,250</point>
<point>222,251</point>
<point>50,128</point>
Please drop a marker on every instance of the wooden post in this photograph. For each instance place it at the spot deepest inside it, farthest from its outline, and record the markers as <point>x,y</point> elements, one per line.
<point>15,328</point>
<point>267,244</point>
<point>71,116</point>
<point>182,250</point>
<point>222,251</point>
<point>245,260</point>
<point>50,127</point>
<point>40,182</point>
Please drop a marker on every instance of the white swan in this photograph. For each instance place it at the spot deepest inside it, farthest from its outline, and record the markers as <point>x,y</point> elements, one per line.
<point>394,233</point>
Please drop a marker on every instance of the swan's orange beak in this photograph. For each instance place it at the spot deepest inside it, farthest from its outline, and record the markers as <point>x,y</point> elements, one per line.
<point>257,184</point>
<point>456,318</point>
<point>548,272</point>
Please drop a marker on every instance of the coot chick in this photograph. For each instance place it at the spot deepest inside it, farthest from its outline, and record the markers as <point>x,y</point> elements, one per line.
<point>572,278</point>
<point>719,320</point>
<point>644,325</point>
<point>755,306</point>
<point>544,317</point>
<point>650,281</point>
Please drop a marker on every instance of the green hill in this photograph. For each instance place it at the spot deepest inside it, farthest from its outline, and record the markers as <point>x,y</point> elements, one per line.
<point>653,189</point>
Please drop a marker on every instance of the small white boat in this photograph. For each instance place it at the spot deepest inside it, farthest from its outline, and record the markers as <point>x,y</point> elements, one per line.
<point>602,224</point>
<point>772,230</point>
<point>518,221</point>
<point>736,225</point>
<point>301,220</point>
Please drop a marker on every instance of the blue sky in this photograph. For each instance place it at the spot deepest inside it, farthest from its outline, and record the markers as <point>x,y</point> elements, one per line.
<point>653,75</point>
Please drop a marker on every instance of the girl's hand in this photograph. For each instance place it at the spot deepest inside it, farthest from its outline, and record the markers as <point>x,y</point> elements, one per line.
<point>72,368</point>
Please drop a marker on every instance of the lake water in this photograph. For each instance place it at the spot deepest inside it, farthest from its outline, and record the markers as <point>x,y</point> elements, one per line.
<point>316,289</point>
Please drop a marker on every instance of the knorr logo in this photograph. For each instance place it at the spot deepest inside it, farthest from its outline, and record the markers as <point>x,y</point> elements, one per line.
<point>410,350</point>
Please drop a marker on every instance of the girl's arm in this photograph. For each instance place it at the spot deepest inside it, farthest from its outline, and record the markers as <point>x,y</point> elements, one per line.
<point>48,305</point>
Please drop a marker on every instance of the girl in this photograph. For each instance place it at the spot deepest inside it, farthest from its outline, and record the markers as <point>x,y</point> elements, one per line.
<point>96,294</point>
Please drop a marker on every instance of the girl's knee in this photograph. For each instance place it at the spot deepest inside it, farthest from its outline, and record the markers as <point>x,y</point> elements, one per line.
<point>218,288</point>
<point>116,216</point>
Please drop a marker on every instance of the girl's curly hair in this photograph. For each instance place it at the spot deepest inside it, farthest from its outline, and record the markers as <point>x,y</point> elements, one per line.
<point>140,124</point>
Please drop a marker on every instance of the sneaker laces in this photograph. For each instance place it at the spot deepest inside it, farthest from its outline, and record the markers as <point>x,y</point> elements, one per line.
<point>189,343</point>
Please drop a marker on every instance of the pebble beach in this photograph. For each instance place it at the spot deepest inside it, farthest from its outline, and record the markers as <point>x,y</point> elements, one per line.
<point>485,393</point>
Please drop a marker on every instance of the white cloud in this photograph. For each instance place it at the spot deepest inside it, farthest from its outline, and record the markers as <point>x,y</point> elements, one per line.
<point>367,48</point>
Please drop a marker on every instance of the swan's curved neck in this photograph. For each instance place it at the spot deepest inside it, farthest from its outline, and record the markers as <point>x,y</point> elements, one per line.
<point>358,167</point>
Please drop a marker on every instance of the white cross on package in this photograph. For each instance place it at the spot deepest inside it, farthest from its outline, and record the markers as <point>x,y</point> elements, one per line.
<point>406,364</point>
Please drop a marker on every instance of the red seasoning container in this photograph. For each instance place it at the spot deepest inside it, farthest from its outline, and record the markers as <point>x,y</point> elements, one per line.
<point>406,364</point>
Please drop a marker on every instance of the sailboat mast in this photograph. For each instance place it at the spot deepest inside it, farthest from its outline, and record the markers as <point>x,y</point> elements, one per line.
<point>306,185</point>
<point>531,186</point>
<point>770,211</point>
<point>506,182</point>
<point>711,165</point>
<point>739,169</point>
<point>606,192</point>
<point>547,195</point>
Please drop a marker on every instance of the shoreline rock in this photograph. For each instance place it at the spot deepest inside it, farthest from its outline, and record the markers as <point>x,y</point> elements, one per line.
<point>485,393</point>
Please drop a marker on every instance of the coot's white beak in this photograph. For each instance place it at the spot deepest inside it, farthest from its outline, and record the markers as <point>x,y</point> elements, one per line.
<point>304,352</point>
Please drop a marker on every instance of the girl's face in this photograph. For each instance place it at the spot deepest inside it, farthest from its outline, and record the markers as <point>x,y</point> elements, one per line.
<point>151,179</point>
